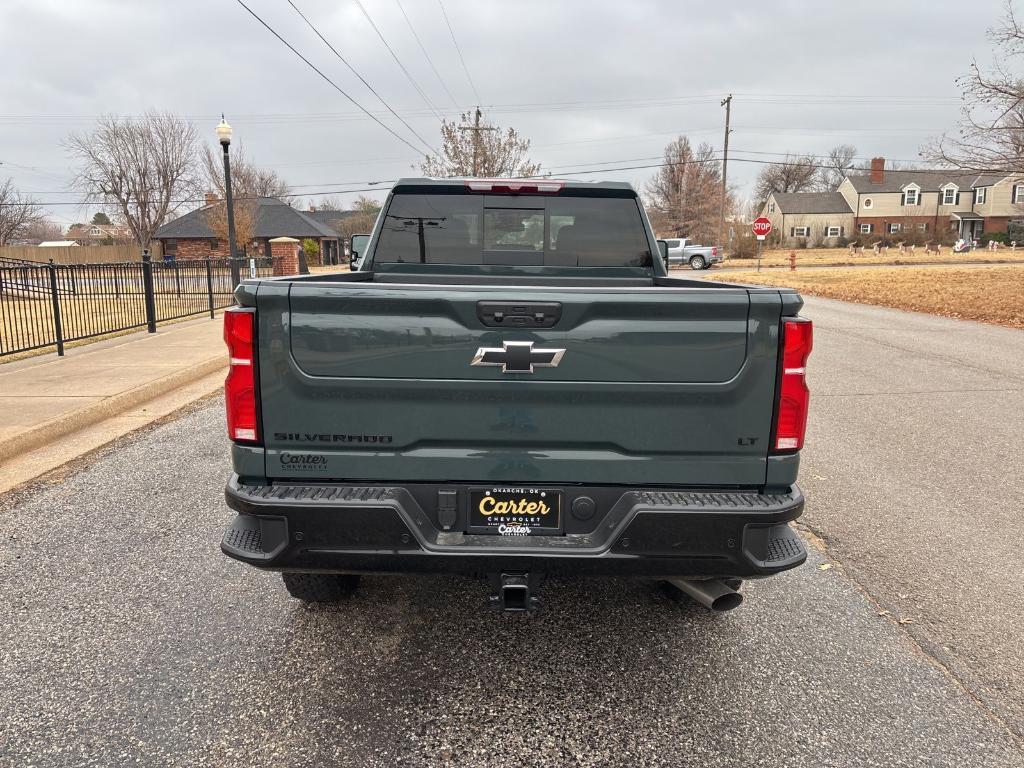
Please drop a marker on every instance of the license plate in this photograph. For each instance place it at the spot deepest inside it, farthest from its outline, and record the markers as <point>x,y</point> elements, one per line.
<point>509,511</point>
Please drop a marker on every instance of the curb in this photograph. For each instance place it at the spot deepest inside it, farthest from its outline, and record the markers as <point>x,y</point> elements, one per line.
<point>112,406</point>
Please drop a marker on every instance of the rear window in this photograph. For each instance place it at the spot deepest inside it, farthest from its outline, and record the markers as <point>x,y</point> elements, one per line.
<point>519,230</point>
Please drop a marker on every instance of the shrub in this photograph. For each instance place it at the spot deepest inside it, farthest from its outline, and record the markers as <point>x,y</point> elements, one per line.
<point>311,248</point>
<point>744,248</point>
<point>999,237</point>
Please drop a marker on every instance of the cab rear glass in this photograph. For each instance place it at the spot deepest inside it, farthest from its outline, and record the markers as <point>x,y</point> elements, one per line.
<point>513,230</point>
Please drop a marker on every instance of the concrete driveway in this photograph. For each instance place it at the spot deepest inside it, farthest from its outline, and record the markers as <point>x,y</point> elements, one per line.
<point>128,639</point>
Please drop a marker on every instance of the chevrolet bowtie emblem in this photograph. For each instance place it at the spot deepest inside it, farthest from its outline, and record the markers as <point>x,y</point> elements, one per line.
<point>518,357</point>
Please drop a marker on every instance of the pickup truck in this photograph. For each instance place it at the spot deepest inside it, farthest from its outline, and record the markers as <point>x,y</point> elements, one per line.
<point>682,251</point>
<point>511,386</point>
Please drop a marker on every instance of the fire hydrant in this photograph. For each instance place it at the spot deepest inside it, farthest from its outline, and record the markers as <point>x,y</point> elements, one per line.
<point>792,261</point>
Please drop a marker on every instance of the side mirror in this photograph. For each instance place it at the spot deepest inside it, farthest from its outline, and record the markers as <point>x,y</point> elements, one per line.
<point>663,247</point>
<point>357,249</point>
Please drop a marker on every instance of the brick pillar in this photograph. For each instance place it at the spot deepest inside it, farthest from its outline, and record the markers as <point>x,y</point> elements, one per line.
<point>285,253</point>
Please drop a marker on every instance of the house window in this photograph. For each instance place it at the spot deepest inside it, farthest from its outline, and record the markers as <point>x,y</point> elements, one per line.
<point>1018,194</point>
<point>801,231</point>
<point>867,202</point>
<point>771,207</point>
<point>894,227</point>
<point>214,243</point>
<point>865,229</point>
<point>922,227</point>
<point>910,196</point>
<point>170,246</point>
<point>833,231</point>
<point>95,232</point>
<point>949,196</point>
<point>980,195</point>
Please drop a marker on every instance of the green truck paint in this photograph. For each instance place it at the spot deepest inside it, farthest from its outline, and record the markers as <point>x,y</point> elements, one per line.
<point>514,338</point>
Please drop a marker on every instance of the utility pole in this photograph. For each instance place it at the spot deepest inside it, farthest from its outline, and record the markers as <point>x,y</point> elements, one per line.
<point>727,103</point>
<point>476,128</point>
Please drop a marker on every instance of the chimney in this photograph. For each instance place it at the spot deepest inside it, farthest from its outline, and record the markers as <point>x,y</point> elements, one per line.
<point>877,170</point>
<point>211,198</point>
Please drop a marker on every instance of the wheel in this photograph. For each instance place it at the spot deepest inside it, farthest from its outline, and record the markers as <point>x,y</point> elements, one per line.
<point>320,587</point>
<point>697,262</point>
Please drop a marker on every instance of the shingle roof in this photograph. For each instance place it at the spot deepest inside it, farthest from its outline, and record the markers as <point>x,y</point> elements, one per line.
<point>328,217</point>
<point>274,218</point>
<point>928,181</point>
<point>811,202</point>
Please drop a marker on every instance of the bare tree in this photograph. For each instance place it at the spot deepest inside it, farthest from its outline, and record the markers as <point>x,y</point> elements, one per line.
<point>684,196</point>
<point>480,149</point>
<point>245,211</point>
<point>330,203</point>
<point>17,213</point>
<point>42,229</point>
<point>990,136</point>
<point>796,173</point>
<point>834,167</point>
<point>247,178</point>
<point>141,170</point>
<point>362,220</point>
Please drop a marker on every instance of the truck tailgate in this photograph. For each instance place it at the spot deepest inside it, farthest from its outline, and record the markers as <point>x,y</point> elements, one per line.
<point>656,385</point>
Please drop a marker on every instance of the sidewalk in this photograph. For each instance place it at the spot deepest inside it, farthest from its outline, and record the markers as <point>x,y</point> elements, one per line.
<point>107,388</point>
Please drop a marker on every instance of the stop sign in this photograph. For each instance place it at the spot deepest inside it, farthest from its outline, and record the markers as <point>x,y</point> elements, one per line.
<point>762,226</point>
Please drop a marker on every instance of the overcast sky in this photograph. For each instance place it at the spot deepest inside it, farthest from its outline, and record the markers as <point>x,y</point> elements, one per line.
<point>589,82</point>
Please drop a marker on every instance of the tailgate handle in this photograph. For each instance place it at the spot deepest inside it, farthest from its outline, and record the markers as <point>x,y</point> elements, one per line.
<point>519,314</point>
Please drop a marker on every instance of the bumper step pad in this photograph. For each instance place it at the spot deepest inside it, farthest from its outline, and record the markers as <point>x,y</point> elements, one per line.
<point>366,528</point>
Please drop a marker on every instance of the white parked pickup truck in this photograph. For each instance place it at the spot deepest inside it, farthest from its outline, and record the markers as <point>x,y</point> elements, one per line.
<point>682,251</point>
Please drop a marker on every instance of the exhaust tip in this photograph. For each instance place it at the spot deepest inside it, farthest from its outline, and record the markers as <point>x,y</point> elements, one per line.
<point>726,602</point>
<point>713,594</point>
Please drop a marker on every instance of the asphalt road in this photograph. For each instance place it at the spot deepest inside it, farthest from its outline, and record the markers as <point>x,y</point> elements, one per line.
<point>127,638</point>
<point>914,473</point>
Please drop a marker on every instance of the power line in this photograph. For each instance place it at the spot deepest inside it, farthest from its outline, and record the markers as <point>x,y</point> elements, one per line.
<point>361,78</point>
<point>50,203</point>
<point>459,51</point>
<point>712,159</point>
<point>425,54</point>
<point>325,77</point>
<point>398,61</point>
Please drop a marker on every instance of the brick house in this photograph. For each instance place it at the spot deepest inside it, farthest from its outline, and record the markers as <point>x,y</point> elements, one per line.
<point>190,236</point>
<point>931,204</point>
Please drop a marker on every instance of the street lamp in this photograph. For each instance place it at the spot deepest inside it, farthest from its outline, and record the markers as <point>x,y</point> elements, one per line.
<point>224,137</point>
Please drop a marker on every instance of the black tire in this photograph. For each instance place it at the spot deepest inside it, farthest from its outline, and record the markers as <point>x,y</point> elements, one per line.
<point>320,587</point>
<point>697,262</point>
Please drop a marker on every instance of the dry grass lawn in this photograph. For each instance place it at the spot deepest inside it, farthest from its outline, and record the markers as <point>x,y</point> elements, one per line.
<point>28,320</point>
<point>988,294</point>
<point>842,257</point>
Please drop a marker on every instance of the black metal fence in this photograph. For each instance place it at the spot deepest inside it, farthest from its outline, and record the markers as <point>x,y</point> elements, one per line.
<point>47,305</point>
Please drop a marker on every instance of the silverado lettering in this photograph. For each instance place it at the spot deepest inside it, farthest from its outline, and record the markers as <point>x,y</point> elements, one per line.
<point>552,381</point>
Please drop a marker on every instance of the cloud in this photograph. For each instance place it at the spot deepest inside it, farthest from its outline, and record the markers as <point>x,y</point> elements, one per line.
<point>587,80</point>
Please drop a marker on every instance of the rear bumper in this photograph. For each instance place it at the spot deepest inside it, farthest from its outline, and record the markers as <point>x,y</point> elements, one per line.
<point>383,529</point>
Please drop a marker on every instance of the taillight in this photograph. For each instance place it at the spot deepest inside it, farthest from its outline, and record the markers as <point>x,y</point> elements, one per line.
<point>515,186</point>
<point>791,423</point>
<point>240,385</point>
<point>714,250</point>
